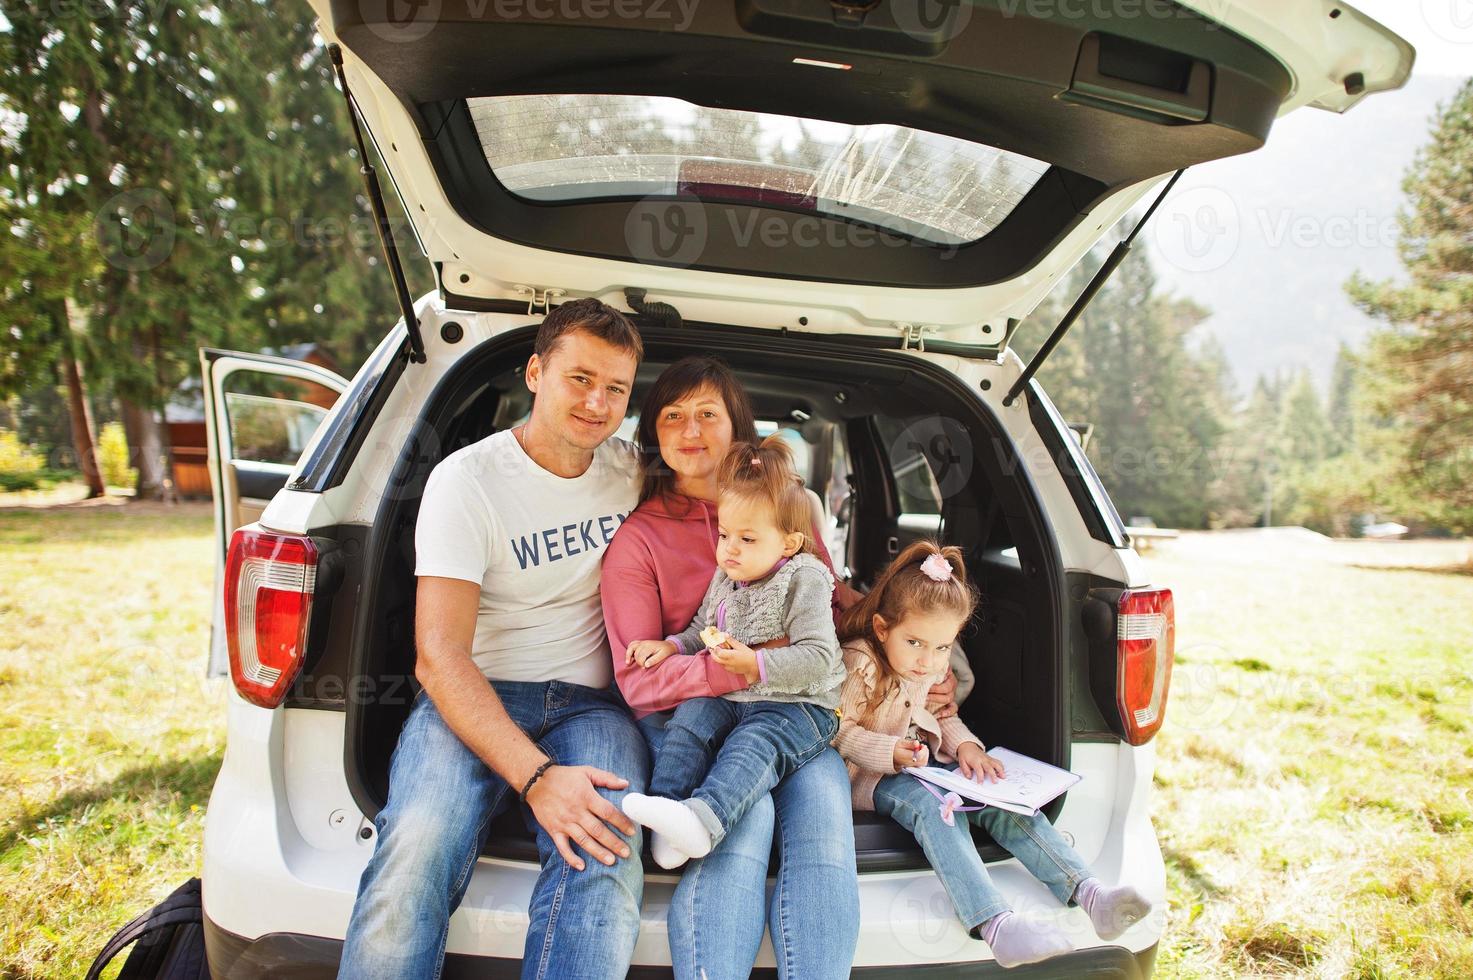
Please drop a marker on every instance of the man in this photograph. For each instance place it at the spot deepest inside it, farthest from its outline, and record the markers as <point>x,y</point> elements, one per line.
<point>517,699</point>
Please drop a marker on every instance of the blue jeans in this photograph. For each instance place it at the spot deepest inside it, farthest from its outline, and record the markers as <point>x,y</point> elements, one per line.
<point>442,798</point>
<point>953,854</point>
<point>718,910</point>
<point>723,755</point>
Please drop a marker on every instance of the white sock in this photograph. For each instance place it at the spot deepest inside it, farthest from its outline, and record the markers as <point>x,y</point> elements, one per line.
<point>1111,910</point>
<point>664,854</point>
<point>672,819</point>
<point>1014,942</point>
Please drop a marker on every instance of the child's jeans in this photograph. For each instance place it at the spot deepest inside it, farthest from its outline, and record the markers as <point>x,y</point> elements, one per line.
<point>953,854</point>
<point>754,744</point>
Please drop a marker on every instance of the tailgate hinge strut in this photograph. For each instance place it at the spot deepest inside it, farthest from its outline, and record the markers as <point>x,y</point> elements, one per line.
<point>538,300</point>
<point>381,217</point>
<point>912,336</point>
<point>1095,284</point>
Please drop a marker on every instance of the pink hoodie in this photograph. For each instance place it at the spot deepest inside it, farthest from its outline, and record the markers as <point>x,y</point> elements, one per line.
<point>655,573</point>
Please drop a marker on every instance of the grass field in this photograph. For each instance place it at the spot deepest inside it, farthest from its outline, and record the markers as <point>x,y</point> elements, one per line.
<point>1312,792</point>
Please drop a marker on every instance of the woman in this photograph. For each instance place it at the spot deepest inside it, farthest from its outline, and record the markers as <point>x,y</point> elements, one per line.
<point>654,574</point>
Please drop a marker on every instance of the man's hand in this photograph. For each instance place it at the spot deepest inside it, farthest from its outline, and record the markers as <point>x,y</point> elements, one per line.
<point>973,762</point>
<point>738,658</point>
<point>568,807</point>
<point>911,752</point>
<point>649,653</point>
<point>939,699</point>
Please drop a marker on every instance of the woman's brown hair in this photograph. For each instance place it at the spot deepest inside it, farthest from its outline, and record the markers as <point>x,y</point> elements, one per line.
<point>764,474</point>
<point>902,589</point>
<point>679,380</point>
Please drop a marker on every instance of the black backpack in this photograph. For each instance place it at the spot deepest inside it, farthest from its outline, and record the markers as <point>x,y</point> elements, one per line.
<point>170,937</point>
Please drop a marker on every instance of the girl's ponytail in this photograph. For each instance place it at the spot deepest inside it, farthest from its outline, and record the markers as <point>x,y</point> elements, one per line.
<point>765,473</point>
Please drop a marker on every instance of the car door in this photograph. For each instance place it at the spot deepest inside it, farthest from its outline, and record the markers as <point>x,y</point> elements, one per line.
<point>261,413</point>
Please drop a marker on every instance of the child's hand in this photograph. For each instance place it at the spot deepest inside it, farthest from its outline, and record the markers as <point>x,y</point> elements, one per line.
<point>911,752</point>
<point>738,658</point>
<point>648,653</point>
<point>974,763</point>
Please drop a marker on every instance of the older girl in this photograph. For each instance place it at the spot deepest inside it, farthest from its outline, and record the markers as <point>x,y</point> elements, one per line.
<point>897,642</point>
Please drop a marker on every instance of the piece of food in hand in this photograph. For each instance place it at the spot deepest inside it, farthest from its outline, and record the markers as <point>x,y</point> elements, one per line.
<point>713,637</point>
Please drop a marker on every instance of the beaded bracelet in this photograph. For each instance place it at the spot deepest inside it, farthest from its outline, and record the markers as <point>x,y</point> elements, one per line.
<point>535,776</point>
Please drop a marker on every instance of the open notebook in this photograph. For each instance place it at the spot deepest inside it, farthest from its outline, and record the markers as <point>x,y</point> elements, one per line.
<point>1027,786</point>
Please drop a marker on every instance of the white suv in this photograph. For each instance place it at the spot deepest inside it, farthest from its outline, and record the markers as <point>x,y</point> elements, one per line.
<point>853,204</point>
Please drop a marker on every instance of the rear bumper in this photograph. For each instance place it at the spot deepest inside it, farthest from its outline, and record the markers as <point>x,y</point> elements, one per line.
<point>282,954</point>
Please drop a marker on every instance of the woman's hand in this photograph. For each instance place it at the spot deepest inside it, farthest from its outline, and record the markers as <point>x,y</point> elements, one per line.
<point>648,653</point>
<point>847,596</point>
<point>911,752</point>
<point>738,658</point>
<point>939,698</point>
<point>974,763</point>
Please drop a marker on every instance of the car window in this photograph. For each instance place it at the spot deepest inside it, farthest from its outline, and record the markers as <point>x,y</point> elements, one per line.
<point>271,417</point>
<point>567,148</point>
<point>915,482</point>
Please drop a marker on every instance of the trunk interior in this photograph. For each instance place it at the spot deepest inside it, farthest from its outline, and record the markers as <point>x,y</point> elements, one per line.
<point>894,447</point>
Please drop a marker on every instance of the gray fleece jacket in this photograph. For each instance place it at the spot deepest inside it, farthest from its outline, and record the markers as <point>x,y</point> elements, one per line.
<point>795,601</point>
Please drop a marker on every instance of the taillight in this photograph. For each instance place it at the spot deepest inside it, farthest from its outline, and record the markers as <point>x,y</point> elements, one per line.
<point>1145,649</point>
<point>269,581</point>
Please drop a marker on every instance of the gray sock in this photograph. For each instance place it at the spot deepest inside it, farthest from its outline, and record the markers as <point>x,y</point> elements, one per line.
<point>1111,910</point>
<point>1014,942</point>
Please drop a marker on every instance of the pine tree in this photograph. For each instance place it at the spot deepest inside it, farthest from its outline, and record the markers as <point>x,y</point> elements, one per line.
<point>1427,349</point>
<point>1342,402</point>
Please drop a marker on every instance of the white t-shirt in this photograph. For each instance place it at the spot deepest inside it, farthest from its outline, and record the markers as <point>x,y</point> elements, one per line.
<point>533,541</point>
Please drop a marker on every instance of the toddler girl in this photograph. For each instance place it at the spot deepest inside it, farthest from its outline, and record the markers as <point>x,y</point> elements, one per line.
<point>896,643</point>
<point>721,755</point>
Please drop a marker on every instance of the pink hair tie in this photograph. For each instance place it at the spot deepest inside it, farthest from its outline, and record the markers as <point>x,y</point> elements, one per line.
<point>936,568</point>
<point>756,461</point>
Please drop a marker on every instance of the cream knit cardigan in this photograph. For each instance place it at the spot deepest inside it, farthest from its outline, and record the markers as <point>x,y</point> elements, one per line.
<point>869,753</point>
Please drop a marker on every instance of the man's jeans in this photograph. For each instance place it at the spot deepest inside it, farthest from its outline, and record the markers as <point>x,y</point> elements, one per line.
<point>442,798</point>
<point>723,755</point>
<point>717,914</point>
<point>1034,841</point>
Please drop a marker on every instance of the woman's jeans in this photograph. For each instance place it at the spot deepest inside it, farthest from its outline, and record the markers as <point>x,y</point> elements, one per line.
<point>723,755</point>
<point>718,910</point>
<point>442,798</point>
<point>953,854</point>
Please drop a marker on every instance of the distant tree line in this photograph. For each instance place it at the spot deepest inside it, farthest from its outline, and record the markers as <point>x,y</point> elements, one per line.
<point>171,176</point>
<point>1393,439</point>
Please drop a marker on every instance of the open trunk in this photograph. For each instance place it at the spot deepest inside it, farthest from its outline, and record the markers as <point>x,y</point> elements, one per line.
<point>921,456</point>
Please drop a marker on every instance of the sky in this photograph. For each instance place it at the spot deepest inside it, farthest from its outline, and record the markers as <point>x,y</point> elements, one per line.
<point>1266,241</point>
<point>1440,30</point>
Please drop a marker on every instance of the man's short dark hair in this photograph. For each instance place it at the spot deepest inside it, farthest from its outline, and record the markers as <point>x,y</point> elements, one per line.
<point>592,316</point>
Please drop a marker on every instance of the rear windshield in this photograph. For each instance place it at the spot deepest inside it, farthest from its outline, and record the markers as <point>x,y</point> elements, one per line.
<point>566,148</point>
